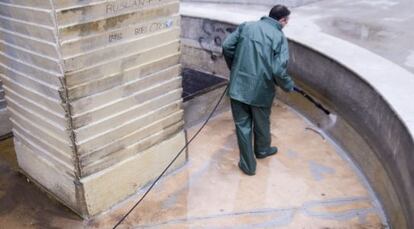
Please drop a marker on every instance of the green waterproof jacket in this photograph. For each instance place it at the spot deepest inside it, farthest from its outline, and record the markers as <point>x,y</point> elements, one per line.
<point>257,55</point>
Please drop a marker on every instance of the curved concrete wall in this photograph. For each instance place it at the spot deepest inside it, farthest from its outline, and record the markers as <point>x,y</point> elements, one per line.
<point>371,127</point>
<point>368,129</point>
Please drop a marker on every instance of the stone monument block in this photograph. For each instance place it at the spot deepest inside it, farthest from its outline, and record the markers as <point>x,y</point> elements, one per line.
<point>94,94</point>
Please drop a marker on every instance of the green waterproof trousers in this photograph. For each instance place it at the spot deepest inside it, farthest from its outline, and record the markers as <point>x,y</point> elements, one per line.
<point>251,121</point>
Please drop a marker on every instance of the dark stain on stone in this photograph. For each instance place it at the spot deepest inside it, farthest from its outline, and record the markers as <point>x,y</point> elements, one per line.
<point>106,24</point>
<point>72,10</point>
<point>114,21</point>
<point>84,29</point>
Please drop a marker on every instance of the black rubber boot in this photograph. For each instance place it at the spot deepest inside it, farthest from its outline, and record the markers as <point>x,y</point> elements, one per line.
<point>245,171</point>
<point>271,151</point>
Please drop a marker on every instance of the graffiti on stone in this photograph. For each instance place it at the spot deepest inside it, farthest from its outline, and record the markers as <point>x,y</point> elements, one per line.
<point>213,35</point>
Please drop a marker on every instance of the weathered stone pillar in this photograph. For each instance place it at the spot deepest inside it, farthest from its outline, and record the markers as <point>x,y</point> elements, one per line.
<point>94,93</point>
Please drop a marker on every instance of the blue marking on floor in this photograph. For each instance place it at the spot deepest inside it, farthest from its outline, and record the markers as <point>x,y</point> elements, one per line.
<point>319,171</point>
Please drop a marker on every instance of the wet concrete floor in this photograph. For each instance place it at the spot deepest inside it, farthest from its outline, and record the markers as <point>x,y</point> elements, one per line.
<point>22,204</point>
<point>308,184</point>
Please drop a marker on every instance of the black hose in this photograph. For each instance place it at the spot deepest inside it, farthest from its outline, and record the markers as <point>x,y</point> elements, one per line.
<point>312,100</point>
<point>175,158</point>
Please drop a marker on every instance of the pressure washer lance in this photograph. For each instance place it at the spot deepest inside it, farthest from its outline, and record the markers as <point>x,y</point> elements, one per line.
<point>332,117</point>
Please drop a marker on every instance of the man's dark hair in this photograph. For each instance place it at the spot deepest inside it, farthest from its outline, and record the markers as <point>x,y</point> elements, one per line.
<point>278,12</point>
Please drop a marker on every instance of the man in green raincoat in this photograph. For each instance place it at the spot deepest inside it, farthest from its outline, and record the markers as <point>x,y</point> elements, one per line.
<point>257,55</point>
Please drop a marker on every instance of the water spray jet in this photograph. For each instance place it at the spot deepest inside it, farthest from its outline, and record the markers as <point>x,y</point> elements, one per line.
<point>332,117</point>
